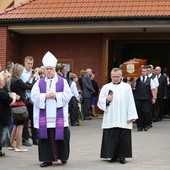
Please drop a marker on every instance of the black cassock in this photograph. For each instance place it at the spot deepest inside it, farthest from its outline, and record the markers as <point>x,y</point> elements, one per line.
<point>51,150</point>
<point>116,142</point>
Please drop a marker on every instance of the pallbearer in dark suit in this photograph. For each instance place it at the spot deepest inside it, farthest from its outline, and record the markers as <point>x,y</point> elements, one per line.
<point>153,109</point>
<point>145,95</point>
<point>162,93</point>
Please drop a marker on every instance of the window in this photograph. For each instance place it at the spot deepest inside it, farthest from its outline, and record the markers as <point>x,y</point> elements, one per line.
<point>67,62</point>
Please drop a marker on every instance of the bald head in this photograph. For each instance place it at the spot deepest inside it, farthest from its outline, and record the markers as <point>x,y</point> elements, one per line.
<point>157,70</point>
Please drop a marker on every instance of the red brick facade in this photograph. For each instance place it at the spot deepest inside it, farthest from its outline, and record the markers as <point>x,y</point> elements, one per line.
<point>14,47</point>
<point>10,48</point>
<point>84,49</point>
<point>3,46</point>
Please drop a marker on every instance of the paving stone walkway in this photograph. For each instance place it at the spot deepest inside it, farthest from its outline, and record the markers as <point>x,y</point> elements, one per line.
<point>151,150</point>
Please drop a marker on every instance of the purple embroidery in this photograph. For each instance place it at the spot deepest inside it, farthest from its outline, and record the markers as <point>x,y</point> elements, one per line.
<point>59,131</point>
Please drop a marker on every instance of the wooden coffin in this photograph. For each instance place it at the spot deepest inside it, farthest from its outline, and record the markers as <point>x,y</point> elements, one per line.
<point>142,62</point>
<point>132,68</point>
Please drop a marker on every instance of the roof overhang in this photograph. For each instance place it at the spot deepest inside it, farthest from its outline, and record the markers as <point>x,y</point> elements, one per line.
<point>88,28</point>
<point>88,25</point>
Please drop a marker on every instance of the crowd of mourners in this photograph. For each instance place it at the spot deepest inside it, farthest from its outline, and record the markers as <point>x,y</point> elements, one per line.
<point>151,92</point>
<point>16,82</point>
<point>152,95</point>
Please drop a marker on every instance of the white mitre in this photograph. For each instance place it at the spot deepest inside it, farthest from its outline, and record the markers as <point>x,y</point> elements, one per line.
<point>49,60</point>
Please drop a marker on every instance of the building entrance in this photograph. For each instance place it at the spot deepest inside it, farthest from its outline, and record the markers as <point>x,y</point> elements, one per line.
<point>156,53</point>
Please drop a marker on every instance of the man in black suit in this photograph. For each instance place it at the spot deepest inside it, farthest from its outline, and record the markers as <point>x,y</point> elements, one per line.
<point>88,90</point>
<point>153,110</point>
<point>162,93</point>
<point>145,96</point>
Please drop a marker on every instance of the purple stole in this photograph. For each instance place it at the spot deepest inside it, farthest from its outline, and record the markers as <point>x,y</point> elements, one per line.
<point>59,131</point>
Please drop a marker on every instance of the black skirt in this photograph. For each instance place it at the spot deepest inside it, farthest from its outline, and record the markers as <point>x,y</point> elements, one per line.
<point>51,150</point>
<point>116,142</point>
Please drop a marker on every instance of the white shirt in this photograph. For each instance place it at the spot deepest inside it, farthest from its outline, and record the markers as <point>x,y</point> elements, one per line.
<point>74,90</point>
<point>121,109</point>
<point>155,79</point>
<point>159,75</point>
<point>25,75</point>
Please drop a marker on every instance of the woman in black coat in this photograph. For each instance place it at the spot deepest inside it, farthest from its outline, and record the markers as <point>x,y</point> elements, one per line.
<point>95,95</point>
<point>6,101</point>
<point>19,87</point>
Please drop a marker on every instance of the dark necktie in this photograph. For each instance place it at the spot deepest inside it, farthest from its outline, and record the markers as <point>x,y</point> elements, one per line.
<point>143,79</point>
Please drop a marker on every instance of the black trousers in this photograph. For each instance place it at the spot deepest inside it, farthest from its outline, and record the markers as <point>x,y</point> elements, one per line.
<point>161,108</point>
<point>34,132</point>
<point>86,107</point>
<point>143,109</point>
<point>150,115</point>
<point>73,110</point>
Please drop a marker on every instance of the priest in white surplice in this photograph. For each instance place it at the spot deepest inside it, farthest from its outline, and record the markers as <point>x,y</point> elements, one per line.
<point>51,95</point>
<point>117,102</point>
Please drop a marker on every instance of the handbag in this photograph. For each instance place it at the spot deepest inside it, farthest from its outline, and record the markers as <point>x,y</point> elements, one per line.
<point>19,111</point>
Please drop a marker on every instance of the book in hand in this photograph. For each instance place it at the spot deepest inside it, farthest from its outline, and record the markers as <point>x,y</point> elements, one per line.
<point>109,93</point>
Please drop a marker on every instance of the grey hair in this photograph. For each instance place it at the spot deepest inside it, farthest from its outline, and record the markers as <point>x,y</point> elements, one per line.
<point>88,70</point>
<point>157,67</point>
<point>116,70</point>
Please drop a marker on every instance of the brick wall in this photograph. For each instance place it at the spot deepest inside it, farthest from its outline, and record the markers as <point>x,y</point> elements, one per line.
<point>3,46</point>
<point>10,47</point>
<point>84,49</point>
<point>14,44</point>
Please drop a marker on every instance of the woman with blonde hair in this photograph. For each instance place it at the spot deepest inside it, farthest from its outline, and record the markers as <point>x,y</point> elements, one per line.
<point>6,101</point>
<point>39,73</point>
<point>18,86</point>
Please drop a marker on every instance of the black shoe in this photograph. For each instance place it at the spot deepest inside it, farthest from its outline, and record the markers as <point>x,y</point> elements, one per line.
<point>77,124</point>
<point>122,160</point>
<point>87,118</point>
<point>150,126</point>
<point>74,124</point>
<point>114,159</point>
<point>35,142</point>
<point>139,130</point>
<point>155,120</point>
<point>145,129</point>
<point>26,143</point>
<point>63,161</point>
<point>2,154</point>
<point>45,164</point>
